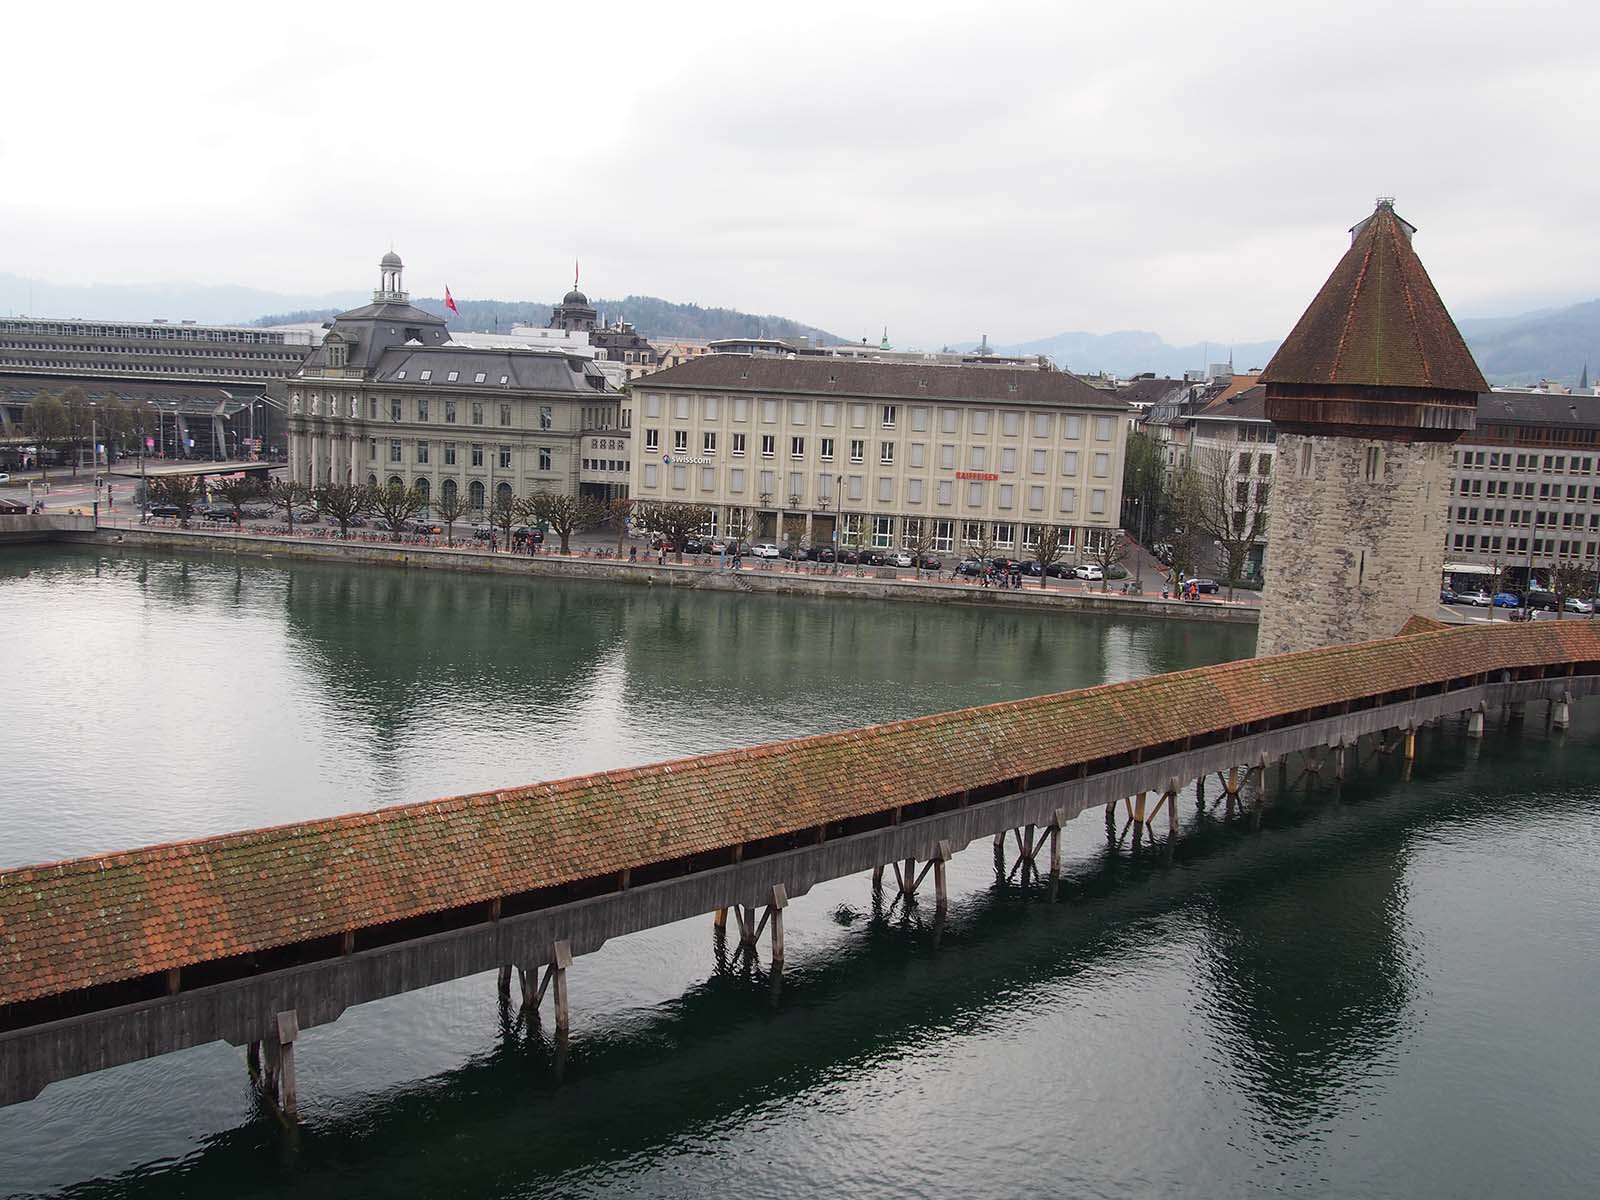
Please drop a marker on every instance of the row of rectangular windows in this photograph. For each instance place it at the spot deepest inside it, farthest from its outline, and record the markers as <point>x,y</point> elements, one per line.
<point>1525,516</point>
<point>1506,460</point>
<point>1492,543</point>
<point>1010,422</point>
<point>977,456</point>
<point>424,453</point>
<point>855,489</point>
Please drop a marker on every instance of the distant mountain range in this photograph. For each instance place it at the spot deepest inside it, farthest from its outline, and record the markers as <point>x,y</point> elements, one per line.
<point>1553,343</point>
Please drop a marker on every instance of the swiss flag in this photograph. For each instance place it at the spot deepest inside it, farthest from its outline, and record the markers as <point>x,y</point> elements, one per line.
<point>450,301</point>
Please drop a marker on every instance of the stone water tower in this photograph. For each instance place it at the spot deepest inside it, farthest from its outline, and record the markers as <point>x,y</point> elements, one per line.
<point>1367,394</point>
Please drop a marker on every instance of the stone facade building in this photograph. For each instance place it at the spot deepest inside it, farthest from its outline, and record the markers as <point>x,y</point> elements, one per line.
<point>828,451</point>
<point>389,398</point>
<point>1368,393</point>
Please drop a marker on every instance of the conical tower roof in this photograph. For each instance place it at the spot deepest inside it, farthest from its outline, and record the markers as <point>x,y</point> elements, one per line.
<point>1377,322</point>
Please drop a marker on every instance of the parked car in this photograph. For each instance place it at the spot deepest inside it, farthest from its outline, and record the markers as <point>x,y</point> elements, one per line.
<point>214,512</point>
<point>254,512</point>
<point>1507,600</point>
<point>4,478</point>
<point>849,555</point>
<point>1206,587</point>
<point>1540,600</point>
<point>900,558</point>
<point>1060,570</point>
<point>164,509</point>
<point>874,558</point>
<point>1448,596</point>
<point>930,563</point>
<point>822,554</point>
<point>764,550</point>
<point>971,566</point>
<point>1092,572</point>
<point>1475,599</point>
<point>1573,604</point>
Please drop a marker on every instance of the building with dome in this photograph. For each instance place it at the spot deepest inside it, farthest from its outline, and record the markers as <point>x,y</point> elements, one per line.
<point>617,343</point>
<point>389,397</point>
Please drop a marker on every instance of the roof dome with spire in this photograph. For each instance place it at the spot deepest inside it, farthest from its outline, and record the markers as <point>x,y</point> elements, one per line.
<point>575,297</point>
<point>390,259</point>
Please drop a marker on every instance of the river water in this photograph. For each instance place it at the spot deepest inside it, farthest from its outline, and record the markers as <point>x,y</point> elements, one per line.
<point>1386,990</point>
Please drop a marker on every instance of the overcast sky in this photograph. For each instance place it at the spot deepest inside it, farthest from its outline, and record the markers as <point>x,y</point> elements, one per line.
<point>945,169</point>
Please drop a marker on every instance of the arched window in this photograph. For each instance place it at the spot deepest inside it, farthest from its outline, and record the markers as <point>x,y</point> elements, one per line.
<point>449,490</point>
<point>372,481</point>
<point>475,495</point>
<point>425,490</point>
<point>502,494</point>
<point>396,482</point>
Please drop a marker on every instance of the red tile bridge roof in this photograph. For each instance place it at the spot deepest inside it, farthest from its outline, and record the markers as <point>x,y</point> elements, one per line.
<point>102,919</point>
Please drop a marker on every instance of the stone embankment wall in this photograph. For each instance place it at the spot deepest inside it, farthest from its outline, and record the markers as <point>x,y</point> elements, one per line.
<point>40,527</point>
<point>1352,557</point>
<point>751,579</point>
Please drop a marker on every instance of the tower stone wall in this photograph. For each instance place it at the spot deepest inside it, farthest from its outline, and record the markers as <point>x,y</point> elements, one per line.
<point>1357,535</point>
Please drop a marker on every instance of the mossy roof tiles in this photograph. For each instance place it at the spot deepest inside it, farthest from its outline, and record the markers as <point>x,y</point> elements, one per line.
<point>103,918</point>
<point>1377,322</point>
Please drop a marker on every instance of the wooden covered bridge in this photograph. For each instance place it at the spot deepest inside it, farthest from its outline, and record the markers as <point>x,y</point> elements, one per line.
<point>250,937</point>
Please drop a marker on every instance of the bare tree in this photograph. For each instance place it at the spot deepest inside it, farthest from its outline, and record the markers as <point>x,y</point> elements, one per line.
<point>79,423</point>
<point>981,547</point>
<point>675,520</point>
<point>503,514</point>
<point>1047,552</point>
<point>343,502</point>
<point>182,491</point>
<point>1229,509</point>
<point>1107,552</point>
<point>236,492</point>
<point>918,541</point>
<point>564,514</point>
<point>45,421</point>
<point>394,504</point>
<point>288,495</point>
<point>618,510</point>
<point>450,507</point>
<point>1568,579</point>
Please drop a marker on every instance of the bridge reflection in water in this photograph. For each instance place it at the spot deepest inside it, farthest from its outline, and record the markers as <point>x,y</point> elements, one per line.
<point>251,937</point>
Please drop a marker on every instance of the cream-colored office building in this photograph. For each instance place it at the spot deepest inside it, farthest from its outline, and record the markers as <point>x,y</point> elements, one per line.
<point>827,451</point>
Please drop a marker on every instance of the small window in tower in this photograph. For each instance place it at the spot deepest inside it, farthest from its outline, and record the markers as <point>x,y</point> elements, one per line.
<point>1372,463</point>
<point>1305,459</point>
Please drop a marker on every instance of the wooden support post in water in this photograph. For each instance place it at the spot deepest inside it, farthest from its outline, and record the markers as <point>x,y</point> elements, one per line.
<point>563,960</point>
<point>719,919</point>
<point>1172,807</point>
<point>1200,793</point>
<point>1411,743</point>
<point>288,1030</point>
<point>252,1061</point>
<point>1057,820</point>
<point>1138,809</point>
<point>780,901</point>
<point>1233,781</point>
<point>503,986</point>
<point>908,881</point>
<point>1475,722</point>
<point>1561,712</point>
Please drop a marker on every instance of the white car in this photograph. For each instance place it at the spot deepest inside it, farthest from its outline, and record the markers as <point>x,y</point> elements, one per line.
<point>1089,571</point>
<point>1476,599</point>
<point>4,478</point>
<point>900,558</point>
<point>1574,605</point>
<point>764,550</point>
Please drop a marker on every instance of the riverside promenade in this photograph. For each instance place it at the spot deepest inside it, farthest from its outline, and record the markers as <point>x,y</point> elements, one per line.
<point>602,563</point>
